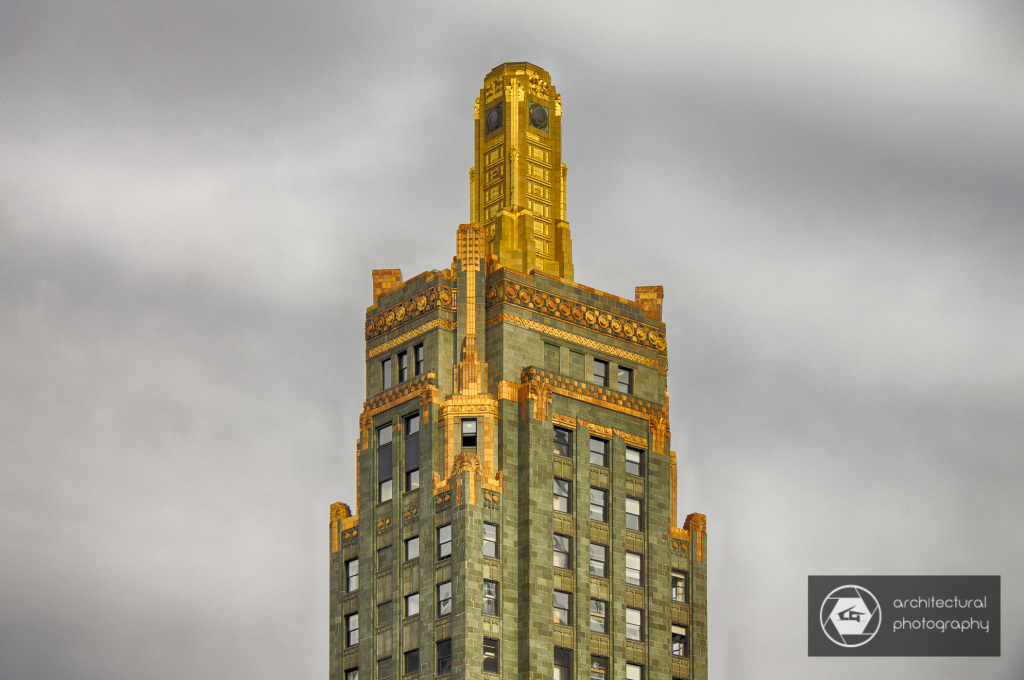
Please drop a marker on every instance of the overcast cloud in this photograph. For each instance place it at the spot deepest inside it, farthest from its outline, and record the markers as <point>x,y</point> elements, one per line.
<point>192,195</point>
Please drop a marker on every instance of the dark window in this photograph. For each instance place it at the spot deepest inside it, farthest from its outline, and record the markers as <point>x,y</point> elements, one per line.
<point>385,373</point>
<point>679,586</point>
<point>563,442</point>
<point>384,668</point>
<point>352,674</point>
<point>490,540</point>
<point>634,461</point>
<point>384,612</point>
<point>444,541</point>
<point>551,358</point>
<point>598,505</point>
<point>563,608</point>
<point>679,647</point>
<point>491,598</point>
<point>563,552</point>
<point>412,604</point>
<point>598,452</point>
<point>625,380</point>
<point>412,452</point>
<point>444,656</point>
<point>352,575</point>
<point>468,432</point>
<point>599,616</point>
<point>634,624</point>
<point>417,357</point>
<point>384,557</point>
<point>598,668</point>
<point>563,490</point>
<point>634,569</point>
<point>412,548</point>
<point>634,514</point>
<point>601,373</point>
<point>444,598</point>
<point>634,672</point>
<point>384,462</point>
<point>492,650</point>
<point>352,630</point>
<point>598,560</point>
<point>412,661</point>
<point>403,367</point>
<point>563,664</point>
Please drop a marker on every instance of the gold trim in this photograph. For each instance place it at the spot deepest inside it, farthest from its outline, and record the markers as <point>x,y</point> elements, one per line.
<point>578,339</point>
<point>405,337</point>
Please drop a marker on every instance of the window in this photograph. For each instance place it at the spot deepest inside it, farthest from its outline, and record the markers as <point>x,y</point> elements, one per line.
<point>352,674</point>
<point>469,432</point>
<point>491,598</point>
<point>634,624</point>
<point>412,548</point>
<point>563,664</point>
<point>634,461</point>
<point>563,442</point>
<point>444,656</point>
<point>600,373</point>
<point>417,358</point>
<point>563,608</point>
<point>634,569</point>
<point>634,514</point>
<point>403,367</point>
<point>625,380</point>
<point>384,612</point>
<point>352,630</point>
<point>679,641</point>
<point>384,557</point>
<point>490,540</point>
<point>634,672</point>
<point>598,560</point>
<point>444,541</point>
<point>412,604</point>
<point>492,650</point>
<point>598,616</point>
<point>598,452</point>
<point>384,667</point>
<point>598,505</point>
<point>444,599</point>
<point>412,452</point>
<point>412,661</point>
<point>598,668</point>
<point>384,462</point>
<point>385,373</point>
<point>352,575</point>
<point>679,586</point>
<point>563,489</point>
<point>563,550</point>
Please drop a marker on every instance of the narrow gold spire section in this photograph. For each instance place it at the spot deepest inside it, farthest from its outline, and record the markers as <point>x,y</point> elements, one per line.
<point>517,184</point>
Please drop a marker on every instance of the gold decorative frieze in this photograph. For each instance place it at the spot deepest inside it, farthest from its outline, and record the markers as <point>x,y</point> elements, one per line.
<point>406,337</point>
<point>423,388</point>
<point>578,339</point>
<point>440,296</point>
<point>571,312</point>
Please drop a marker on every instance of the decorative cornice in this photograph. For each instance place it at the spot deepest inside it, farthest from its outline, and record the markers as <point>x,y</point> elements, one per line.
<point>578,339</point>
<point>424,388</point>
<point>608,432</point>
<point>406,337</point>
<point>572,312</point>
<point>440,296</point>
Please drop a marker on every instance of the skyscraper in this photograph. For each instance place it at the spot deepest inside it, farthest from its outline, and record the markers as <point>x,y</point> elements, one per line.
<point>516,504</point>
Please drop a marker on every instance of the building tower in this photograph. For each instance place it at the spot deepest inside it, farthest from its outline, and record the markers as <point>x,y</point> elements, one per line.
<point>516,503</point>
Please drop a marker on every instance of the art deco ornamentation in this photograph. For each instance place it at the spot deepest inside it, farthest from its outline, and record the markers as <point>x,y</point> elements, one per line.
<point>437,297</point>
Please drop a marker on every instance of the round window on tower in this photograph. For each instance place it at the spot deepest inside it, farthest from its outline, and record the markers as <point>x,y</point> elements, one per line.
<point>538,116</point>
<point>493,118</point>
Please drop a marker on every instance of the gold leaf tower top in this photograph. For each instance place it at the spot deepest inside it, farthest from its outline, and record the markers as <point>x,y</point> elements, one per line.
<point>517,184</point>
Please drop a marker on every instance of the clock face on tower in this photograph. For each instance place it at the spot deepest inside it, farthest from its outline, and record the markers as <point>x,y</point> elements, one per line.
<point>493,118</point>
<point>538,116</point>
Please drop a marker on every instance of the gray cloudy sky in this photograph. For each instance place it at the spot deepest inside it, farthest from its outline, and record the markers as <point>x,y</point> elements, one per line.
<point>192,195</point>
